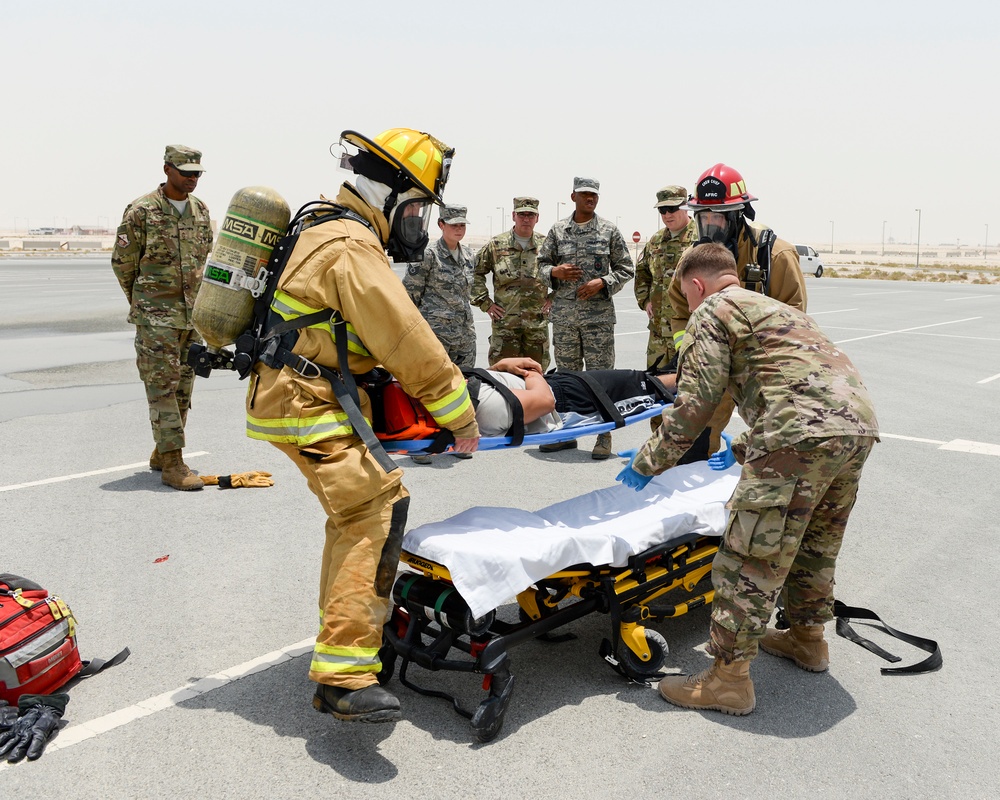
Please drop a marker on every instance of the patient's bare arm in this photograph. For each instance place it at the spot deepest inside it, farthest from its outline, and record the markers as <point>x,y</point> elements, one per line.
<point>519,366</point>
<point>536,396</point>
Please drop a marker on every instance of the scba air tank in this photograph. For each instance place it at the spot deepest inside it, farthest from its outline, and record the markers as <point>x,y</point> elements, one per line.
<point>255,222</point>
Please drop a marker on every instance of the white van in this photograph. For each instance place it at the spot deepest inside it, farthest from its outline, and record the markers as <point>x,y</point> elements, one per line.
<point>809,260</point>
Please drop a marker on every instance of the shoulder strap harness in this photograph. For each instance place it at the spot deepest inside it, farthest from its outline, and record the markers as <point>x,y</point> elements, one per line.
<point>273,345</point>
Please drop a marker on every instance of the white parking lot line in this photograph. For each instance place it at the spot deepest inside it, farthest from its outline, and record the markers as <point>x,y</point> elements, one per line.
<point>61,478</point>
<point>992,378</point>
<point>965,446</point>
<point>81,732</point>
<point>907,330</point>
<point>955,445</point>
<point>911,438</point>
<point>837,311</point>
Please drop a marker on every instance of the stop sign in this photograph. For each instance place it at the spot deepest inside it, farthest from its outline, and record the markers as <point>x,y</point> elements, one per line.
<point>636,237</point>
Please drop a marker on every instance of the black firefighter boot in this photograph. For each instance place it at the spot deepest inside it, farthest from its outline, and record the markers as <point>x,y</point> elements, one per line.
<point>371,704</point>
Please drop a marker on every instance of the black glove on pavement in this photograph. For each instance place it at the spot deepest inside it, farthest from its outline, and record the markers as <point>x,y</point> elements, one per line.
<point>8,716</point>
<point>39,717</point>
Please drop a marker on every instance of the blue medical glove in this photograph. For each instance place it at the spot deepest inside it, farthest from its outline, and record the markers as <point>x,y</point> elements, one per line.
<point>629,476</point>
<point>725,458</point>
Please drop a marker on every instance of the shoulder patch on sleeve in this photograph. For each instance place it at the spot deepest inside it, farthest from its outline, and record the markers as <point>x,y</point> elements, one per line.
<point>123,240</point>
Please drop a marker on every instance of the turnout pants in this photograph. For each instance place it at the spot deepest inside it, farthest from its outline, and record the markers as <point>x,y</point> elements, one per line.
<point>786,524</point>
<point>366,517</point>
<point>160,355</point>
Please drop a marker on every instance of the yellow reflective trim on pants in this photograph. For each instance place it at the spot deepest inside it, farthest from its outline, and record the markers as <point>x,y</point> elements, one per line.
<point>334,659</point>
<point>303,430</point>
<point>678,337</point>
<point>452,406</point>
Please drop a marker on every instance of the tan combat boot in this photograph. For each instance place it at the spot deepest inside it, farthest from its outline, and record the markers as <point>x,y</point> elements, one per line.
<point>803,644</point>
<point>155,462</point>
<point>722,687</point>
<point>602,448</point>
<point>176,473</point>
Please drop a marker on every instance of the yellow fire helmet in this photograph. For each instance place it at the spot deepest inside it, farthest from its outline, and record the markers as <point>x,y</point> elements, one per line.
<point>420,157</point>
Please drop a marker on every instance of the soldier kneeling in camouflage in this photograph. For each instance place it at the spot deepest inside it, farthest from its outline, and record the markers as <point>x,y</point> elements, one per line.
<point>811,427</point>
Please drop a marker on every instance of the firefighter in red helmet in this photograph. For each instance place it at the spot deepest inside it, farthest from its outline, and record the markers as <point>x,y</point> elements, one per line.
<point>765,263</point>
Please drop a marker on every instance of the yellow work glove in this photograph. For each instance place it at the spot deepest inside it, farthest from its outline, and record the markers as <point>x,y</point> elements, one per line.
<point>238,480</point>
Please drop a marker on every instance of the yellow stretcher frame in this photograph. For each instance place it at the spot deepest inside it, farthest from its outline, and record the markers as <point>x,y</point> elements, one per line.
<point>430,620</point>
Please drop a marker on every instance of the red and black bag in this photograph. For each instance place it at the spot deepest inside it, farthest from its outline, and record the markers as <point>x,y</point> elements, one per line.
<point>38,650</point>
<point>403,417</point>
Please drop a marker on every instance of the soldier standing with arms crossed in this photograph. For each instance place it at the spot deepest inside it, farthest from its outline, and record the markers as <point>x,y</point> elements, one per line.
<point>586,261</point>
<point>811,428</point>
<point>519,310</point>
<point>160,251</point>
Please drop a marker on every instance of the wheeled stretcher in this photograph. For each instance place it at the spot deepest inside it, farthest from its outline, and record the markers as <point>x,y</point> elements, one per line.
<point>636,557</point>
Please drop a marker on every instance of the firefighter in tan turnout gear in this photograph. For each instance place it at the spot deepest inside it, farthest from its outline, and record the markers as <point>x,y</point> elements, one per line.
<point>340,264</point>
<point>723,214</point>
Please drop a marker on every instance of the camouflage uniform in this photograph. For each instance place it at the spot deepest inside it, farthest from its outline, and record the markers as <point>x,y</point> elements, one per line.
<point>583,331</point>
<point>523,330</point>
<point>652,279</point>
<point>158,259</point>
<point>441,287</point>
<point>811,427</point>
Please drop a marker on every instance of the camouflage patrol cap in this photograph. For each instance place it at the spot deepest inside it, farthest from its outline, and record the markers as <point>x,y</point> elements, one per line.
<point>586,185</point>
<point>185,158</point>
<point>454,215</point>
<point>673,196</point>
<point>526,204</point>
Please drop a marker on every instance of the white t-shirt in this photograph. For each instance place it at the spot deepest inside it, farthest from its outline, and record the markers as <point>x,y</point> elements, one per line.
<point>494,415</point>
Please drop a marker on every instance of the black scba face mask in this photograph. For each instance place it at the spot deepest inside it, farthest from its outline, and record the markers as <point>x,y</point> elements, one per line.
<point>408,233</point>
<point>721,227</point>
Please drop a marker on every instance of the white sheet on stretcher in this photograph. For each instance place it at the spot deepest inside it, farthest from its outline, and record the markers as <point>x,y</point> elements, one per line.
<point>495,553</point>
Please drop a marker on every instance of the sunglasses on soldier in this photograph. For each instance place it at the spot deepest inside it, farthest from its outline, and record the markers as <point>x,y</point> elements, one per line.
<point>669,209</point>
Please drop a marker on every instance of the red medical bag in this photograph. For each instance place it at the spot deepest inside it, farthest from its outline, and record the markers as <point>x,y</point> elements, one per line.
<point>38,651</point>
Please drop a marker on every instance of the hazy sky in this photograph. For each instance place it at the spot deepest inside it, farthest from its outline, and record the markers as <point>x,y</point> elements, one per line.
<point>855,112</point>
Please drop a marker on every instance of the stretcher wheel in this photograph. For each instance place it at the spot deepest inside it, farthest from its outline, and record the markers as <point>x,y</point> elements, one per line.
<point>640,670</point>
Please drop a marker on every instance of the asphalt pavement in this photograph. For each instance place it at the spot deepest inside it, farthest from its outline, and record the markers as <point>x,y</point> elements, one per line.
<point>214,591</point>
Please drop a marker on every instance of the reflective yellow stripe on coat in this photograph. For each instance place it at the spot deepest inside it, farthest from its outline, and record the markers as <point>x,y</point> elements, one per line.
<point>288,308</point>
<point>451,406</point>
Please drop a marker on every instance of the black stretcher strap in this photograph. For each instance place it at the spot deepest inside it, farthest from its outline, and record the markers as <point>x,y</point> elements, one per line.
<point>658,388</point>
<point>516,430</point>
<point>609,411</point>
<point>844,614</point>
<point>343,384</point>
